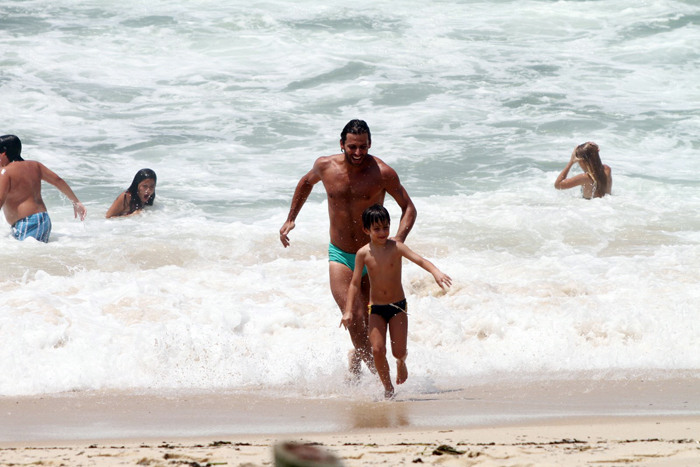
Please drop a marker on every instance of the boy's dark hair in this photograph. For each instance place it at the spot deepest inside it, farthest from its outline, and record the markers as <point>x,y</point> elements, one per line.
<point>12,147</point>
<point>375,214</point>
<point>356,127</point>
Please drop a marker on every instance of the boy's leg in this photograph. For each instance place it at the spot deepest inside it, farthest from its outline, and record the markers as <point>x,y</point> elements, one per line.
<point>377,338</point>
<point>398,330</point>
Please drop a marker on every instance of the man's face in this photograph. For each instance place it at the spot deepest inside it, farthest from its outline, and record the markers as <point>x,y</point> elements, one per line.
<point>4,160</point>
<point>355,148</point>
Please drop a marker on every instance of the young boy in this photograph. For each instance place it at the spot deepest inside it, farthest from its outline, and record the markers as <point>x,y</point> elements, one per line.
<point>382,257</point>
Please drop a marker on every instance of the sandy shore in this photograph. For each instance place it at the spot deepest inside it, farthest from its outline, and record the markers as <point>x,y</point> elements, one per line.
<point>611,442</point>
<point>632,422</point>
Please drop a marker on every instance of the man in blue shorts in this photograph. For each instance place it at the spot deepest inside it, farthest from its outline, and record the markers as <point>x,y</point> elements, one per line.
<point>20,192</point>
<point>354,180</point>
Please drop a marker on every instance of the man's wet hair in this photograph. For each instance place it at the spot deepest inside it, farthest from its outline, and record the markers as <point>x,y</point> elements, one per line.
<point>375,214</point>
<point>12,147</point>
<point>356,127</point>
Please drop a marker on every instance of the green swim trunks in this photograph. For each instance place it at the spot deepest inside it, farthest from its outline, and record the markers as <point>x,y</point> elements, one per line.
<point>339,256</point>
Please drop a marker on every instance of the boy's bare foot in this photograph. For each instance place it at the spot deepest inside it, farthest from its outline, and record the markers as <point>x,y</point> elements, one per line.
<point>401,371</point>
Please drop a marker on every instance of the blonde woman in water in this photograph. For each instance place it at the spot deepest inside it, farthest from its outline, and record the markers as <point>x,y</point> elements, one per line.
<point>596,179</point>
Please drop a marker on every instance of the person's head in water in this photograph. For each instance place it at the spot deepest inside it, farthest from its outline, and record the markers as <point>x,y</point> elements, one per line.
<point>375,214</point>
<point>11,146</point>
<point>142,189</point>
<point>356,127</point>
<point>588,155</point>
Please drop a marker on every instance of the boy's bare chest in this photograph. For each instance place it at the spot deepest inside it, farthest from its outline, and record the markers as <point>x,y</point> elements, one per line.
<point>386,261</point>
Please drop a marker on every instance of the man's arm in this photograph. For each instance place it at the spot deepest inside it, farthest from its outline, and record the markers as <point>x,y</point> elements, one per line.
<point>394,187</point>
<point>50,177</point>
<point>442,279</point>
<point>301,193</point>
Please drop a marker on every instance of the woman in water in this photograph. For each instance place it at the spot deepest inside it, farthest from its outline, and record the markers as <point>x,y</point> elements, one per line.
<point>596,179</point>
<point>141,193</point>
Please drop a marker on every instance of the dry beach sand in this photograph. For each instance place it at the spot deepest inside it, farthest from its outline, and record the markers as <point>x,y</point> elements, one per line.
<point>605,442</point>
<point>605,423</point>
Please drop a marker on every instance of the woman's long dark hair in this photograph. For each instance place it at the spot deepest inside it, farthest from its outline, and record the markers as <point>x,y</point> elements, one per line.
<point>135,203</point>
<point>589,153</point>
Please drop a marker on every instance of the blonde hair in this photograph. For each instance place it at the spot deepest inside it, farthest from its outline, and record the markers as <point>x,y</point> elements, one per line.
<point>589,154</point>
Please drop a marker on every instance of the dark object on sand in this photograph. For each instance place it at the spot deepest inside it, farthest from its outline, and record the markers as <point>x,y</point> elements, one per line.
<point>303,455</point>
<point>446,449</point>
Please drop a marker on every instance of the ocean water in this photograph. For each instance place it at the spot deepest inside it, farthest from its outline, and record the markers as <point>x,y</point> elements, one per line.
<point>476,104</point>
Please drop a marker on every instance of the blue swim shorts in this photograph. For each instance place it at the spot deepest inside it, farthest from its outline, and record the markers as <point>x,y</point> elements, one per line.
<point>36,226</point>
<point>337,255</point>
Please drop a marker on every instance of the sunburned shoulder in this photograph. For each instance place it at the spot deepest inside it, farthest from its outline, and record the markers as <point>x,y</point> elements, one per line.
<point>20,167</point>
<point>10,168</point>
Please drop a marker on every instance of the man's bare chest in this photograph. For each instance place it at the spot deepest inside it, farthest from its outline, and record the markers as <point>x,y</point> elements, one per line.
<point>342,187</point>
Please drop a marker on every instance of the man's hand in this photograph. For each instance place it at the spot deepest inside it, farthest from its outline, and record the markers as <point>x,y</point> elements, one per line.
<point>79,210</point>
<point>284,232</point>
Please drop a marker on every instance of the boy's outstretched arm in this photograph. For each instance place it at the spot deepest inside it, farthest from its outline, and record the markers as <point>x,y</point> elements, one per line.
<point>353,290</point>
<point>442,279</point>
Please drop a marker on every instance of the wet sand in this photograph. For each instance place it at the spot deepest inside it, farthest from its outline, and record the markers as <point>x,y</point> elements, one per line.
<point>572,422</point>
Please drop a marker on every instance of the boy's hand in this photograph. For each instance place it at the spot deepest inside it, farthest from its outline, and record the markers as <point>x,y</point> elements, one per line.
<point>442,279</point>
<point>347,319</point>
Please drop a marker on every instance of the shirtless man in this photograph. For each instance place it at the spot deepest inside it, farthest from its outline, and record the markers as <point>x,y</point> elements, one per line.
<point>354,180</point>
<point>20,192</point>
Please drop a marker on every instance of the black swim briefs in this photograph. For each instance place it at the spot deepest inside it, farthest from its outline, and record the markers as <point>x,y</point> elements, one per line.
<point>389,311</point>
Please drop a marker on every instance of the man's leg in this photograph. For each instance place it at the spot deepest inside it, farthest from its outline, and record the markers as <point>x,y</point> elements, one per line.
<point>377,337</point>
<point>341,276</point>
<point>398,330</point>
